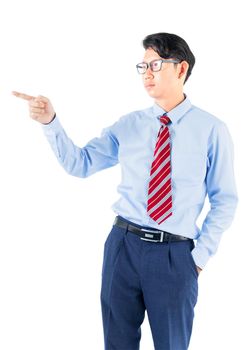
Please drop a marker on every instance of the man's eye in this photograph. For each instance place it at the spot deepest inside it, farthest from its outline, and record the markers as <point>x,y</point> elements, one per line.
<point>155,65</point>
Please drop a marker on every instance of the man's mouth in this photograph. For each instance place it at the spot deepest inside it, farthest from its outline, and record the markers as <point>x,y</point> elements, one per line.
<point>147,86</point>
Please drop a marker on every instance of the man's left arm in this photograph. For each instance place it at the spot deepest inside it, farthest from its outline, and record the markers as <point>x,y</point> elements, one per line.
<point>221,190</point>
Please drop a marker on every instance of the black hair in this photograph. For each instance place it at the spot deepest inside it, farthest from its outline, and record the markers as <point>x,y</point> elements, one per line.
<point>170,46</point>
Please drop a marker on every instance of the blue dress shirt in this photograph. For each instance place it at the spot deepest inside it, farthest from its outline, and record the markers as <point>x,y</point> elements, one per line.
<point>201,159</point>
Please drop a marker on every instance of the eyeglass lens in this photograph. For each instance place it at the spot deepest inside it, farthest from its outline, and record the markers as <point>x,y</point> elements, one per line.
<point>155,66</point>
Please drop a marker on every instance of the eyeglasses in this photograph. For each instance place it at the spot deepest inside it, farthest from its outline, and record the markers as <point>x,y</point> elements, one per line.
<point>154,65</point>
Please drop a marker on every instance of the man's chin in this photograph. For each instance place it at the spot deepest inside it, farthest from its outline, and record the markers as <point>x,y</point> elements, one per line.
<point>153,95</point>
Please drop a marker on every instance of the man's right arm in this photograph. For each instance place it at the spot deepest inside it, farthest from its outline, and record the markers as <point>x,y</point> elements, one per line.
<point>98,154</point>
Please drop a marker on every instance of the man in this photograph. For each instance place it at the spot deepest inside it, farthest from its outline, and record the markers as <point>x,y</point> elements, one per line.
<point>172,155</point>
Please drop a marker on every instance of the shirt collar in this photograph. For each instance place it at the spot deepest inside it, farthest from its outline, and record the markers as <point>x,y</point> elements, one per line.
<point>176,113</point>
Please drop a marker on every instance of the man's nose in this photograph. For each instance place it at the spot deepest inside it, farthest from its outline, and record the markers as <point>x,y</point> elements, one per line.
<point>148,74</point>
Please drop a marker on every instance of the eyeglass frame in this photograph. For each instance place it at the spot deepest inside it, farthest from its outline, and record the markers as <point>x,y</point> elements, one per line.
<point>149,65</point>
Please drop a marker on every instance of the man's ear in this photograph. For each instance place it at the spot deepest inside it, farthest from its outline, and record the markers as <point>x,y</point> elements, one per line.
<point>182,69</point>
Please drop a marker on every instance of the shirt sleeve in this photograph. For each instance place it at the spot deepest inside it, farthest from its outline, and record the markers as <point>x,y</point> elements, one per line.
<point>99,153</point>
<point>222,194</point>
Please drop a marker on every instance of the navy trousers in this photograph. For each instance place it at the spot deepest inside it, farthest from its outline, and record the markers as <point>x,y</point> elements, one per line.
<point>160,278</point>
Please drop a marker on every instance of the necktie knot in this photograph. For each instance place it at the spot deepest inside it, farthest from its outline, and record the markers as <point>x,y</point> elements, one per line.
<point>164,119</point>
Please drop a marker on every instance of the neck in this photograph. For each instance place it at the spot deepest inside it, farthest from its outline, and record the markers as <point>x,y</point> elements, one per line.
<point>170,102</point>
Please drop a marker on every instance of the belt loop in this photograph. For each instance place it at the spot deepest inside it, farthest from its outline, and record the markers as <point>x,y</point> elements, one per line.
<point>126,229</point>
<point>169,240</point>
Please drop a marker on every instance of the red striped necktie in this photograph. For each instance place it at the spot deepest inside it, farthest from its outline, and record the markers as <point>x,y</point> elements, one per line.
<point>159,206</point>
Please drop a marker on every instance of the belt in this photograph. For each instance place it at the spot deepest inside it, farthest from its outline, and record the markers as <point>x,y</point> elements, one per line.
<point>147,234</point>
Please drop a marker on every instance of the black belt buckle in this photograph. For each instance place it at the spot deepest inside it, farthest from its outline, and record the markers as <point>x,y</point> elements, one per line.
<point>149,235</point>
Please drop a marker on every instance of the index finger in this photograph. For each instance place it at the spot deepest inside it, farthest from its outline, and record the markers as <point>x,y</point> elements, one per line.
<point>23,96</point>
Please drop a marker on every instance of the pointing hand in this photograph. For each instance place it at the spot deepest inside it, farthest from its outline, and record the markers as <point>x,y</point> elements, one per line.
<point>40,107</point>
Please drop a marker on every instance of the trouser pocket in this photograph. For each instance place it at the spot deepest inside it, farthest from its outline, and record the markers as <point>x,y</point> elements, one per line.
<point>194,266</point>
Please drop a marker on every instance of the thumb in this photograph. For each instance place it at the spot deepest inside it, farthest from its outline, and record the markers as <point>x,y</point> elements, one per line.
<point>42,98</point>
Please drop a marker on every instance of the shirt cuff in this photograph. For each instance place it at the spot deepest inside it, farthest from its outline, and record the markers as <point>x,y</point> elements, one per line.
<point>53,127</point>
<point>200,256</point>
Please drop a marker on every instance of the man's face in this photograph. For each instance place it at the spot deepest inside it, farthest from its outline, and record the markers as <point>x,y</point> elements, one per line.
<point>164,83</point>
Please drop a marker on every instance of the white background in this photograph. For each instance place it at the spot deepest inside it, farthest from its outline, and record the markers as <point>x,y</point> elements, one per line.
<point>82,56</point>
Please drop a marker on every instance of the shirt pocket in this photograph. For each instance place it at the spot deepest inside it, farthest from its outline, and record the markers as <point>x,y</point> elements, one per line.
<point>189,168</point>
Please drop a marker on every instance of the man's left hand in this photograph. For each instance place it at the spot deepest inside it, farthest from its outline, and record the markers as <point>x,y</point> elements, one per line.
<point>199,270</point>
